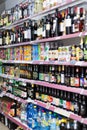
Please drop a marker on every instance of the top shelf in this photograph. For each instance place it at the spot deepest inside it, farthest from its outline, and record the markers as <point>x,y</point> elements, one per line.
<point>64,5</point>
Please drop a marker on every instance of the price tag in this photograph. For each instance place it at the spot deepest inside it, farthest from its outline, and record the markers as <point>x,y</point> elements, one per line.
<point>72,62</point>
<point>57,38</point>
<point>82,91</point>
<point>79,63</point>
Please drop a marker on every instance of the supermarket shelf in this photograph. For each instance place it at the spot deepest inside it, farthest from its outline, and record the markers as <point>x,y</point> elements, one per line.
<point>61,111</point>
<point>71,63</point>
<point>47,84</point>
<point>47,40</point>
<point>16,121</point>
<point>15,98</point>
<point>60,6</point>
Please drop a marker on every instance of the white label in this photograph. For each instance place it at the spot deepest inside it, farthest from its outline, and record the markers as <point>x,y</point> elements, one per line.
<point>54,25</point>
<point>68,22</point>
<point>29,34</point>
<point>48,27</point>
<point>0,41</point>
<point>35,31</point>
<point>19,39</point>
<point>62,78</point>
<point>25,34</point>
<point>61,27</point>
<point>12,37</point>
<point>44,33</point>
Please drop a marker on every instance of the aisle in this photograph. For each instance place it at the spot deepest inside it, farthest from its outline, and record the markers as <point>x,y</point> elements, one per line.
<point>2,127</point>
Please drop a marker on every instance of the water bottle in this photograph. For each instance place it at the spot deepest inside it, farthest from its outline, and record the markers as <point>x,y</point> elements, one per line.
<point>53,122</point>
<point>29,115</point>
<point>44,122</point>
<point>23,114</point>
<point>49,118</point>
<point>39,118</point>
<point>34,118</point>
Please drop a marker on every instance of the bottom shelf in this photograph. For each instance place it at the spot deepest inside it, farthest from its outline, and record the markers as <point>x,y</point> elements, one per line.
<point>61,111</point>
<point>15,120</point>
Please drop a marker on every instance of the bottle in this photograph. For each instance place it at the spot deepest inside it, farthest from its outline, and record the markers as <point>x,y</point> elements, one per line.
<point>68,124</point>
<point>62,75</point>
<point>72,78</point>
<point>62,23</point>
<point>53,122</point>
<point>83,109</point>
<point>85,22</point>
<point>68,22</point>
<point>48,27</point>
<point>1,39</point>
<point>23,114</point>
<point>56,24</point>
<point>82,19</point>
<point>76,105</point>
<point>61,99</point>
<point>53,76</point>
<point>35,30</point>
<point>76,125</point>
<point>34,118</point>
<point>85,79</point>
<point>26,37</point>
<point>82,78</point>
<point>7,38</point>
<point>68,76</point>
<point>29,31</point>
<point>39,116</point>
<point>77,79</point>
<point>63,124</point>
<point>76,19</point>
<point>85,49</point>
<point>44,122</point>
<point>44,28</point>
<point>59,75</point>
<point>68,101</point>
<point>29,115</point>
<point>81,51</point>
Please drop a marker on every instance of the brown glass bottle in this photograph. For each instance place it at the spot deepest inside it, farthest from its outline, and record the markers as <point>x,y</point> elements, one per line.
<point>77,79</point>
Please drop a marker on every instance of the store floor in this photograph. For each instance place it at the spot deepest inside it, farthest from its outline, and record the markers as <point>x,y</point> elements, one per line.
<point>3,127</point>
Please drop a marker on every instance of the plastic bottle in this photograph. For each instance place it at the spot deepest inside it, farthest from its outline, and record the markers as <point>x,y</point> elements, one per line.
<point>29,115</point>
<point>44,122</point>
<point>34,118</point>
<point>39,118</point>
<point>53,122</point>
<point>23,114</point>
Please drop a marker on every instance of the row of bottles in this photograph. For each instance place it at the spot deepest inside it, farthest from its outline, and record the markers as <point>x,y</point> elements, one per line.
<point>8,123</point>
<point>42,119</point>
<point>18,88</point>
<point>47,52</point>
<point>25,9</point>
<point>64,75</point>
<point>66,100</point>
<point>39,118</point>
<point>69,21</point>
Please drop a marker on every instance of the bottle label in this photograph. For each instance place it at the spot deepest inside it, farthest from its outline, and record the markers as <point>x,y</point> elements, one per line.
<point>81,82</point>
<point>58,78</point>
<point>85,82</point>
<point>76,107</point>
<point>61,27</point>
<point>62,78</point>
<point>0,41</point>
<point>64,103</point>
<point>52,78</point>
<point>72,81</point>
<point>37,95</point>
<point>35,31</point>
<point>85,54</point>
<point>44,33</point>
<point>68,22</point>
<point>77,82</point>
<point>25,34</point>
<point>29,34</point>
<point>68,105</point>
<point>54,25</point>
<point>48,27</point>
<point>19,39</point>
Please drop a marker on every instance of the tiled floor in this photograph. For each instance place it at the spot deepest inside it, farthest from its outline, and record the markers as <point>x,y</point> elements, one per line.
<point>3,127</point>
